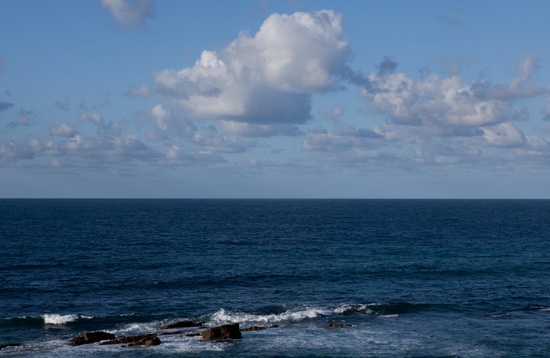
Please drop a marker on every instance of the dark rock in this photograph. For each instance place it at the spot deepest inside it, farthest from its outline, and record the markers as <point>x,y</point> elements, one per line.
<point>111,341</point>
<point>91,337</point>
<point>252,328</point>
<point>227,331</point>
<point>182,324</point>
<point>337,325</point>
<point>192,334</point>
<point>144,340</point>
<point>2,346</point>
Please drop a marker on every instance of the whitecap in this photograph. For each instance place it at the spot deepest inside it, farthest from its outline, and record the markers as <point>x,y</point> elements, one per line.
<point>222,316</point>
<point>57,319</point>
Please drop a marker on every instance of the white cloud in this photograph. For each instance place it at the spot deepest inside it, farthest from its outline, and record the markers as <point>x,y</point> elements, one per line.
<point>62,105</point>
<point>24,119</point>
<point>130,13</point>
<point>344,137</point>
<point>446,105</point>
<point>13,152</point>
<point>161,117</point>
<point>174,154</point>
<point>138,91</point>
<point>212,141</point>
<point>527,67</point>
<point>503,135</point>
<point>107,149</point>
<point>334,113</point>
<point>102,126</point>
<point>433,100</point>
<point>63,130</point>
<point>260,130</point>
<point>267,78</point>
<point>167,125</point>
<point>546,111</point>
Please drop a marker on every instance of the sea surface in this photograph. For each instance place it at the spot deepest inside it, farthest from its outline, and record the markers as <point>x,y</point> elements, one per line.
<point>404,278</point>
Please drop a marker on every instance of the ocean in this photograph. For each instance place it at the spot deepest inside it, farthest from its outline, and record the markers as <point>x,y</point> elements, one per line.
<point>394,278</point>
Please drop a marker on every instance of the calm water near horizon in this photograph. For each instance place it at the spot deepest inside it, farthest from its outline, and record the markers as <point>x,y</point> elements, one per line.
<point>414,278</point>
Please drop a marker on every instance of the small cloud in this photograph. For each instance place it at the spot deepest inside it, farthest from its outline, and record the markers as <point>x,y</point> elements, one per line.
<point>138,91</point>
<point>261,130</point>
<point>63,130</point>
<point>546,111</point>
<point>5,106</point>
<point>527,67</point>
<point>453,18</point>
<point>334,113</point>
<point>454,64</point>
<point>504,135</point>
<point>387,66</point>
<point>130,13</point>
<point>25,118</point>
<point>167,125</point>
<point>92,117</point>
<point>55,163</point>
<point>62,105</point>
<point>102,126</point>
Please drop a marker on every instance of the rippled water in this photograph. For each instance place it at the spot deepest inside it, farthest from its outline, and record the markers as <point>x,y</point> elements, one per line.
<point>468,278</point>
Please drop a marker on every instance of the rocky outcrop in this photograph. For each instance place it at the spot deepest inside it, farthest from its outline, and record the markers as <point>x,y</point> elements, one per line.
<point>91,337</point>
<point>227,331</point>
<point>182,324</point>
<point>141,340</point>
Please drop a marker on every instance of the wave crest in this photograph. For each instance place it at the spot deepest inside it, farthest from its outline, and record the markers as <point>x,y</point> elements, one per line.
<point>57,319</point>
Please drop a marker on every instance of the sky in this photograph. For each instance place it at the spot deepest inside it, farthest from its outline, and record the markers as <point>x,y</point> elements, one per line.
<point>274,99</point>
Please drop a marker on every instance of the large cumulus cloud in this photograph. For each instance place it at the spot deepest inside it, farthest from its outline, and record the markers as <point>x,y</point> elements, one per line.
<point>265,79</point>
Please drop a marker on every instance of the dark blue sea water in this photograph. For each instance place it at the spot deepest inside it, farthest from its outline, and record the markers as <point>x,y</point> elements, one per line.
<point>413,278</point>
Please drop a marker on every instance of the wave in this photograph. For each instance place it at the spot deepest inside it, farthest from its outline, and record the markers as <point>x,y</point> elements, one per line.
<point>309,313</point>
<point>536,308</point>
<point>48,319</point>
<point>58,319</point>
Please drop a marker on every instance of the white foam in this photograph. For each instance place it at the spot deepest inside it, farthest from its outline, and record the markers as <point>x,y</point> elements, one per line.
<point>57,319</point>
<point>346,308</point>
<point>221,316</point>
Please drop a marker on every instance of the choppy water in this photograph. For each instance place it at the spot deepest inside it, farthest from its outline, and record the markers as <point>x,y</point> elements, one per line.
<point>426,278</point>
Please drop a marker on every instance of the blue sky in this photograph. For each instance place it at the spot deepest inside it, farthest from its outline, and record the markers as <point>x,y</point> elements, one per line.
<point>274,99</point>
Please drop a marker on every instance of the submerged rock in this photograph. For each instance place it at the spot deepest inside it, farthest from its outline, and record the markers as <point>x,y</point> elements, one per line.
<point>182,324</point>
<point>227,331</point>
<point>140,340</point>
<point>91,337</point>
<point>252,328</point>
